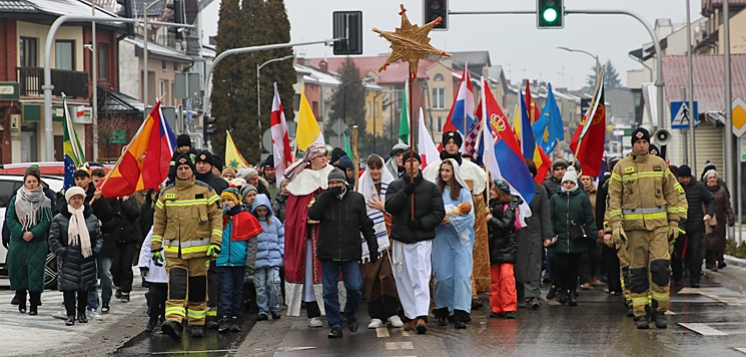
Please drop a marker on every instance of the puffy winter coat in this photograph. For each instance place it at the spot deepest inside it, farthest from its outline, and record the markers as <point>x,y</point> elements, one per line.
<point>428,208</point>
<point>26,260</point>
<point>502,231</point>
<point>74,272</point>
<point>270,243</point>
<point>156,274</point>
<point>341,222</point>
<point>239,228</point>
<point>566,207</point>
<point>696,196</point>
<point>129,212</point>
<point>216,182</point>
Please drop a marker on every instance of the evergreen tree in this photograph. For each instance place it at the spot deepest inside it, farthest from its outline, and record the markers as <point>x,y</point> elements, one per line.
<point>281,72</point>
<point>611,77</point>
<point>348,102</point>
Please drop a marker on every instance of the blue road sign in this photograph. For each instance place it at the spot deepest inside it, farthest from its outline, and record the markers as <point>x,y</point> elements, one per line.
<point>681,115</point>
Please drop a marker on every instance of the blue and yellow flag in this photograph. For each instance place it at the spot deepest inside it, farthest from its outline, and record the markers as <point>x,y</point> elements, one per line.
<point>74,155</point>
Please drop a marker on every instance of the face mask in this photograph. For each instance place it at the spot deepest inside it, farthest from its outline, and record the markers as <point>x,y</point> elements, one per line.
<point>226,208</point>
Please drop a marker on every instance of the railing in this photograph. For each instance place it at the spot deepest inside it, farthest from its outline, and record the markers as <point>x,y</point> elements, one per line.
<point>31,81</point>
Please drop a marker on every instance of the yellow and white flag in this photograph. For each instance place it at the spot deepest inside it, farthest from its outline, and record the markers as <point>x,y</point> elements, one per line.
<point>308,132</point>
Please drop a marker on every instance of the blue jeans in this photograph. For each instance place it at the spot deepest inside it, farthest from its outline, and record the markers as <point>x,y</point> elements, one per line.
<point>231,290</point>
<point>103,266</point>
<point>267,284</point>
<point>353,283</point>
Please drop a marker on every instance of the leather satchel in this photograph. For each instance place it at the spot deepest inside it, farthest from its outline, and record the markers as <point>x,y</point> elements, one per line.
<point>580,231</point>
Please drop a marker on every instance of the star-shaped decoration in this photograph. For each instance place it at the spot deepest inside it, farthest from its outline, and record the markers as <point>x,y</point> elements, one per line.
<point>234,164</point>
<point>409,43</point>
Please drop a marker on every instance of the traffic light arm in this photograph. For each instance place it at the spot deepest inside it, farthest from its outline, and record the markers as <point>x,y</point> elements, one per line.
<point>658,58</point>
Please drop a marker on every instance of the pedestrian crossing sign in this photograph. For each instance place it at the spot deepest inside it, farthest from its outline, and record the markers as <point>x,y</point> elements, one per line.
<point>681,115</point>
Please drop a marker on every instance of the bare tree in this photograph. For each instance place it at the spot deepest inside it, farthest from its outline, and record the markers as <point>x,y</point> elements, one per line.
<point>108,127</point>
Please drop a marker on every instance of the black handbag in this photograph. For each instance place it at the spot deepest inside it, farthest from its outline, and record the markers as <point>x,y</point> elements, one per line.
<point>580,231</point>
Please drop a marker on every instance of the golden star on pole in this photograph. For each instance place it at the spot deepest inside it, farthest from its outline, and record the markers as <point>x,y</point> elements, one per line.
<point>409,43</point>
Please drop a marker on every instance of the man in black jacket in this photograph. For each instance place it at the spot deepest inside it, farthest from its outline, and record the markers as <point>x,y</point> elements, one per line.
<point>413,239</point>
<point>203,164</point>
<point>697,195</point>
<point>342,217</point>
<point>126,245</point>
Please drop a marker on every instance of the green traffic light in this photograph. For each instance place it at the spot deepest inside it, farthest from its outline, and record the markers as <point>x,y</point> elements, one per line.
<point>550,15</point>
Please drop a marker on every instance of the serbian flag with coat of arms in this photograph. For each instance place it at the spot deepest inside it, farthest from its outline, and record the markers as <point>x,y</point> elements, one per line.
<point>145,161</point>
<point>589,140</point>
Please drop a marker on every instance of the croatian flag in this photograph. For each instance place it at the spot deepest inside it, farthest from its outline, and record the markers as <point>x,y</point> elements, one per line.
<point>462,117</point>
<point>502,154</point>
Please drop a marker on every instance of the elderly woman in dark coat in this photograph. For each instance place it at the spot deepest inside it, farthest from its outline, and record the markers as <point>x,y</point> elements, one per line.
<point>28,216</point>
<point>723,210</point>
<point>75,238</point>
<point>530,247</point>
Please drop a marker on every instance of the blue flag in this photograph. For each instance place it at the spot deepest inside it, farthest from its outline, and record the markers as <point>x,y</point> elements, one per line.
<point>548,128</point>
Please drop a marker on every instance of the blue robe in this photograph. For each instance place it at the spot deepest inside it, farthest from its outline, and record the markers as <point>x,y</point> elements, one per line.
<point>452,260</point>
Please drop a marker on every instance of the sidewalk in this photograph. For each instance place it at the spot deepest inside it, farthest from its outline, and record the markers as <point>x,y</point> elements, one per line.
<point>42,335</point>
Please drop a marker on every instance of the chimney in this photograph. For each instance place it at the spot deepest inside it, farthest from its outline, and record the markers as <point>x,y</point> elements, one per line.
<point>301,61</point>
<point>324,66</point>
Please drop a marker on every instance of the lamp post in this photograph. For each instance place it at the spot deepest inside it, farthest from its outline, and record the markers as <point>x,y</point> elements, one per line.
<point>595,57</point>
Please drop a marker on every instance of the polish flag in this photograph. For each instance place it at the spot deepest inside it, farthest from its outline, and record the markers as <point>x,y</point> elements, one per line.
<point>280,140</point>
<point>428,151</point>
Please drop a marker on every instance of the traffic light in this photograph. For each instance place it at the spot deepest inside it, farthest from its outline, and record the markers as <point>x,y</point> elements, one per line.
<point>550,14</point>
<point>349,25</point>
<point>207,127</point>
<point>176,17</point>
<point>434,9</point>
<point>127,10</point>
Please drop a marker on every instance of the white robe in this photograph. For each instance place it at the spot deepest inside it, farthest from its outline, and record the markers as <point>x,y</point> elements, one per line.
<point>412,265</point>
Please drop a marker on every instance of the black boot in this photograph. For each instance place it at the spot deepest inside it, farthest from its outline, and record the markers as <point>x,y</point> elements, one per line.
<point>70,320</point>
<point>21,294</point>
<point>643,322</point>
<point>553,291</point>
<point>562,296</point>
<point>35,299</point>
<point>81,317</point>
<point>172,329</point>
<point>459,317</point>
<point>571,298</point>
<point>660,319</point>
<point>443,316</point>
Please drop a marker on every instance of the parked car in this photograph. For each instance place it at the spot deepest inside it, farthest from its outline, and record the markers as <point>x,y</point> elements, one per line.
<point>9,184</point>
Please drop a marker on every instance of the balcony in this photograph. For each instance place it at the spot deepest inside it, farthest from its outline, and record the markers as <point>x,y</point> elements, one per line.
<point>72,83</point>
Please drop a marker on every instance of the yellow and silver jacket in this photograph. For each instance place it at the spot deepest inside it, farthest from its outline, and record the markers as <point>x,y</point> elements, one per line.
<point>643,194</point>
<point>187,220</point>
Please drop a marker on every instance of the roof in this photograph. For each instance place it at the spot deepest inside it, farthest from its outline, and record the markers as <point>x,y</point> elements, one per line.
<point>314,76</point>
<point>157,50</point>
<point>156,10</point>
<point>67,7</point>
<point>708,79</point>
<point>17,6</point>
<point>395,73</point>
<point>112,101</point>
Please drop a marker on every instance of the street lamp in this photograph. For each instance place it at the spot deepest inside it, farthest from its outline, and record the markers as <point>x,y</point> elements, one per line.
<point>595,57</point>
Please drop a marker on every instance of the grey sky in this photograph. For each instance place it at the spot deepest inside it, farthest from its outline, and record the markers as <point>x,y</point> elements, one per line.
<point>513,40</point>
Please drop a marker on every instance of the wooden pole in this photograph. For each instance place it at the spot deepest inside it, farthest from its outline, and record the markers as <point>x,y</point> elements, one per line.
<point>412,77</point>
<point>121,156</point>
<point>355,156</point>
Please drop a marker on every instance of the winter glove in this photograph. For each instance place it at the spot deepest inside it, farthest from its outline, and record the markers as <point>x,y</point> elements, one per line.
<point>213,250</point>
<point>415,225</point>
<point>334,192</point>
<point>731,224</point>
<point>409,189</point>
<point>373,257</point>
<point>158,257</point>
<point>618,233</point>
<point>673,231</point>
<point>144,272</point>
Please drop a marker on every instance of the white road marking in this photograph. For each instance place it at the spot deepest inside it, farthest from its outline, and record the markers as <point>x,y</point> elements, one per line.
<point>669,312</point>
<point>703,329</point>
<point>405,333</point>
<point>553,302</point>
<point>382,332</point>
<point>742,350</point>
<point>399,345</point>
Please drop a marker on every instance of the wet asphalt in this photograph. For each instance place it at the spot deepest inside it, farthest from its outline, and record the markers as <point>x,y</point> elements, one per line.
<point>709,321</point>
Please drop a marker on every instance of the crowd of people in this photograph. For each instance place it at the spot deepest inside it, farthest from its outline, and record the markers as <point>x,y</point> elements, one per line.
<point>415,242</point>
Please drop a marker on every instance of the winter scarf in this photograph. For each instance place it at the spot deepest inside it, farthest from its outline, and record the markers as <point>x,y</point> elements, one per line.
<point>31,206</point>
<point>77,232</point>
<point>367,187</point>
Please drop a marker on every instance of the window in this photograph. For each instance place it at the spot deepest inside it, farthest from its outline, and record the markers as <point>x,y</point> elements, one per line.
<point>29,52</point>
<point>176,66</point>
<point>163,87</point>
<point>439,98</point>
<point>440,123</point>
<point>438,77</point>
<point>375,110</point>
<point>64,55</point>
<point>102,59</point>
<point>367,109</point>
<point>164,66</point>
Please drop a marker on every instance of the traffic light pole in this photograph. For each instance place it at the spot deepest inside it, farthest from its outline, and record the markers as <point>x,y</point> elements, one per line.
<point>658,58</point>
<point>48,127</point>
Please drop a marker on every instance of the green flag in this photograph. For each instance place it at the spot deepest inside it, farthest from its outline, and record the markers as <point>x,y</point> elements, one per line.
<point>404,121</point>
<point>348,150</point>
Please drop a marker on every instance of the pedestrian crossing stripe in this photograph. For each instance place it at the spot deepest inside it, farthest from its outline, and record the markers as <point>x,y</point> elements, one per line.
<point>382,332</point>
<point>741,349</point>
<point>702,329</point>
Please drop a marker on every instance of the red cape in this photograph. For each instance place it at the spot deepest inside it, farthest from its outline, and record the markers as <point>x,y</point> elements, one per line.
<point>296,234</point>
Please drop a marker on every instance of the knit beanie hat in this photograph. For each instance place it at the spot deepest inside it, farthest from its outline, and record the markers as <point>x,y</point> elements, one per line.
<point>640,134</point>
<point>183,140</point>
<point>452,135</point>
<point>559,163</point>
<point>204,156</point>
<point>684,171</point>
<point>33,170</point>
<point>337,175</point>
<point>232,194</point>
<point>184,159</point>
<point>412,154</point>
<point>74,191</point>
<point>346,162</point>
<point>570,175</point>
<point>247,188</point>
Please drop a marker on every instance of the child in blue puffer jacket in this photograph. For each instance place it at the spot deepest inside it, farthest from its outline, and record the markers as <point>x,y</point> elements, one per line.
<point>270,250</point>
<point>238,227</point>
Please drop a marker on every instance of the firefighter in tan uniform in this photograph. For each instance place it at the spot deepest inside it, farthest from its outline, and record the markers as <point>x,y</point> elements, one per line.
<point>644,215</point>
<point>187,233</point>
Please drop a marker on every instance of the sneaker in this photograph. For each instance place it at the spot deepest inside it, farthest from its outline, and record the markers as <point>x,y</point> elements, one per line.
<point>395,321</point>
<point>125,297</point>
<point>234,324</point>
<point>224,324</point>
<point>61,315</point>
<point>276,315</point>
<point>105,307</point>
<point>510,315</point>
<point>315,322</point>
<point>93,315</point>
<point>118,294</point>
<point>352,324</point>
<point>375,323</point>
<point>336,332</point>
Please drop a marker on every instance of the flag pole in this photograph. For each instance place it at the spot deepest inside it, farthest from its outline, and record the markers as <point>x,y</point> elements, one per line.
<point>355,157</point>
<point>121,156</point>
<point>411,79</point>
<point>588,112</point>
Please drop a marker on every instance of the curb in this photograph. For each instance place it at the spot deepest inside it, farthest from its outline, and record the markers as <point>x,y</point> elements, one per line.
<point>735,261</point>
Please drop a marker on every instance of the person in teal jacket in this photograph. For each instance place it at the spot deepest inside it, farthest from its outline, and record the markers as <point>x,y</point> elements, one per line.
<point>569,205</point>
<point>28,217</point>
<point>238,227</point>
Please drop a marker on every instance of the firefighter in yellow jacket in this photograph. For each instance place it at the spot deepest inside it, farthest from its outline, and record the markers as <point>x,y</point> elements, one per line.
<point>644,215</point>
<point>187,233</point>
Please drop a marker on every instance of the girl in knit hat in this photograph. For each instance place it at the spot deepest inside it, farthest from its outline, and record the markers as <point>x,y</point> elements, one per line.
<point>238,227</point>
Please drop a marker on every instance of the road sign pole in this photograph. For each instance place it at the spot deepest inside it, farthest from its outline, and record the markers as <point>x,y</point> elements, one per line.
<point>738,191</point>
<point>685,134</point>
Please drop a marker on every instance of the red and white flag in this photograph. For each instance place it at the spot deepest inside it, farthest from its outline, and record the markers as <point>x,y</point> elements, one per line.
<point>428,151</point>
<point>283,157</point>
